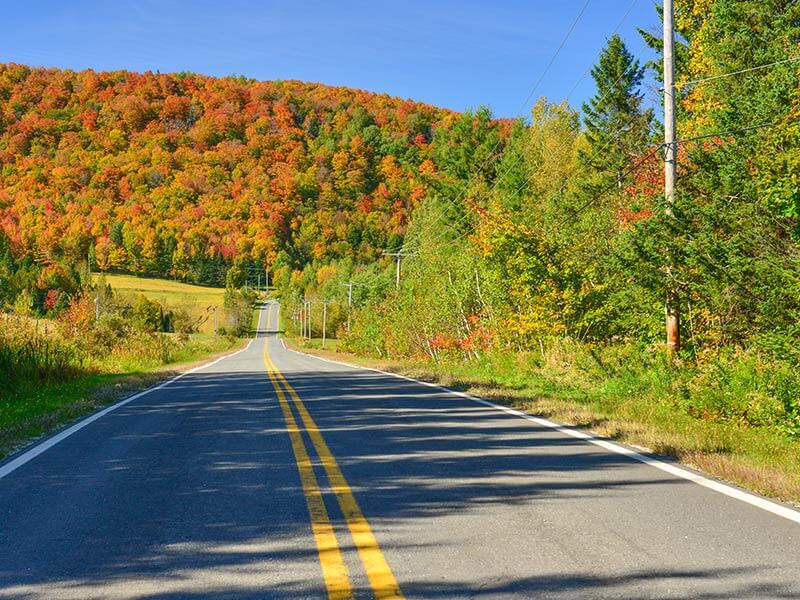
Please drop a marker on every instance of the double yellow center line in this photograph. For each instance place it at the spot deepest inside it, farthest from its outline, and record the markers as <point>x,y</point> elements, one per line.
<point>334,570</point>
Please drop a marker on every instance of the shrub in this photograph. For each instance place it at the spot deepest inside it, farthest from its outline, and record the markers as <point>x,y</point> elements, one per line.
<point>80,314</point>
<point>147,315</point>
<point>109,332</point>
<point>239,311</point>
<point>183,322</point>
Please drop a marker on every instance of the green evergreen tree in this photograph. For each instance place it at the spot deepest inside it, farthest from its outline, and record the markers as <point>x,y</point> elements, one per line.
<point>617,127</point>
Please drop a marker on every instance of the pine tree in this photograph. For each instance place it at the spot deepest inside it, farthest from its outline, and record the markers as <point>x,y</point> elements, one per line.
<point>617,127</point>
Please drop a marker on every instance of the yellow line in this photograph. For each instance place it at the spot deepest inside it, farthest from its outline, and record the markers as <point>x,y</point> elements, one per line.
<point>334,571</point>
<point>384,585</point>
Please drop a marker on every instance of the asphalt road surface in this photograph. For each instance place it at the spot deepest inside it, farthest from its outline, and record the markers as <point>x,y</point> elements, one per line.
<point>278,475</point>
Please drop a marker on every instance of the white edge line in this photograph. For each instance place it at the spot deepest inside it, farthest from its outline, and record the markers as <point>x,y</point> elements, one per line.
<point>27,456</point>
<point>723,488</point>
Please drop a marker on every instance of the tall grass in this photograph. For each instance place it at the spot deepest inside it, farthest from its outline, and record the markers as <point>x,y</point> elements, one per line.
<point>34,355</point>
<point>30,356</point>
<point>746,388</point>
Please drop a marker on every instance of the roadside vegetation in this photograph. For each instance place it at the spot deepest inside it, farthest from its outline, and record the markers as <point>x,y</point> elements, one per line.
<point>733,415</point>
<point>60,363</point>
<point>199,302</point>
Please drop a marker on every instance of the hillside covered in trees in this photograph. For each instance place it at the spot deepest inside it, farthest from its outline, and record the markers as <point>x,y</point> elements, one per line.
<point>187,176</point>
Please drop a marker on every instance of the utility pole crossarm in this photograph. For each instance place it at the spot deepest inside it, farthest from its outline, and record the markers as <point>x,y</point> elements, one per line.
<point>350,285</point>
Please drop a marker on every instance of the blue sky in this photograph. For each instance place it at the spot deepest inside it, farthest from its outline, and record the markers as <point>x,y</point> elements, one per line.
<point>456,54</point>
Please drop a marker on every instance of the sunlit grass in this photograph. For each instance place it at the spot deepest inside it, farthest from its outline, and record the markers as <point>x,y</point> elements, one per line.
<point>166,289</point>
<point>200,301</point>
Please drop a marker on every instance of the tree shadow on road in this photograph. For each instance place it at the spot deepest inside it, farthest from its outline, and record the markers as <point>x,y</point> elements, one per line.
<point>201,498</point>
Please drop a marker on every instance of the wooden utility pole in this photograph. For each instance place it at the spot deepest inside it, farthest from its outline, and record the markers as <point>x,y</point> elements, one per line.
<point>398,257</point>
<point>300,316</point>
<point>325,320</point>
<point>671,308</point>
<point>310,332</point>
<point>307,304</point>
<point>303,318</point>
<point>349,285</point>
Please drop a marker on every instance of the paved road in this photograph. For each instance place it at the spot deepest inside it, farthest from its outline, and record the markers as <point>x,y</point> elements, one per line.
<point>277,475</point>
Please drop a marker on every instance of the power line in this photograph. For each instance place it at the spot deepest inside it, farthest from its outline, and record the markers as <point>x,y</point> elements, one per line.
<point>739,72</point>
<point>631,168</point>
<point>452,225</point>
<point>553,58</point>
<point>489,158</point>
<point>621,130</point>
<point>463,219</point>
<point>628,170</point>
<point>657,147</point>
<point>729,132</point>
<point>646,156</point>
<point>589,68</point>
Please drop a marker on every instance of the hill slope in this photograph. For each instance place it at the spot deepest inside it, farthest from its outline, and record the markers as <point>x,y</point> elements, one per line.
<point>187,175</point>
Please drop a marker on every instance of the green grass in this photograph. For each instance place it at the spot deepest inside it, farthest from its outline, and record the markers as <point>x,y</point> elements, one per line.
<point>197,299</point>
<point>725,417</point>
<point>30,410</point>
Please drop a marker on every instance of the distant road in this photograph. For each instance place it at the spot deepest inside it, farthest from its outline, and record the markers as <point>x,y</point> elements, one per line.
<point>271,474</point>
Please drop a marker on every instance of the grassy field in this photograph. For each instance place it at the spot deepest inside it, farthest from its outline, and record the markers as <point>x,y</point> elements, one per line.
<point>638,405</point>
<point>197,299</point>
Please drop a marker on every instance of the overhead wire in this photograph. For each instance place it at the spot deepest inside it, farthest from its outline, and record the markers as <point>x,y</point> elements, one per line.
<point>706,136</point>
<point>562,146</point>
<point>739,72</point>
<point>681,141</point>
<point>490,157</point>
<point>648,154</point>
<point>462,220</point>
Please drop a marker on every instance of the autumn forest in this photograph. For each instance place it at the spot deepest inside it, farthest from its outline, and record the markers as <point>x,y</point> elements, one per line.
<point>185,176</point>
